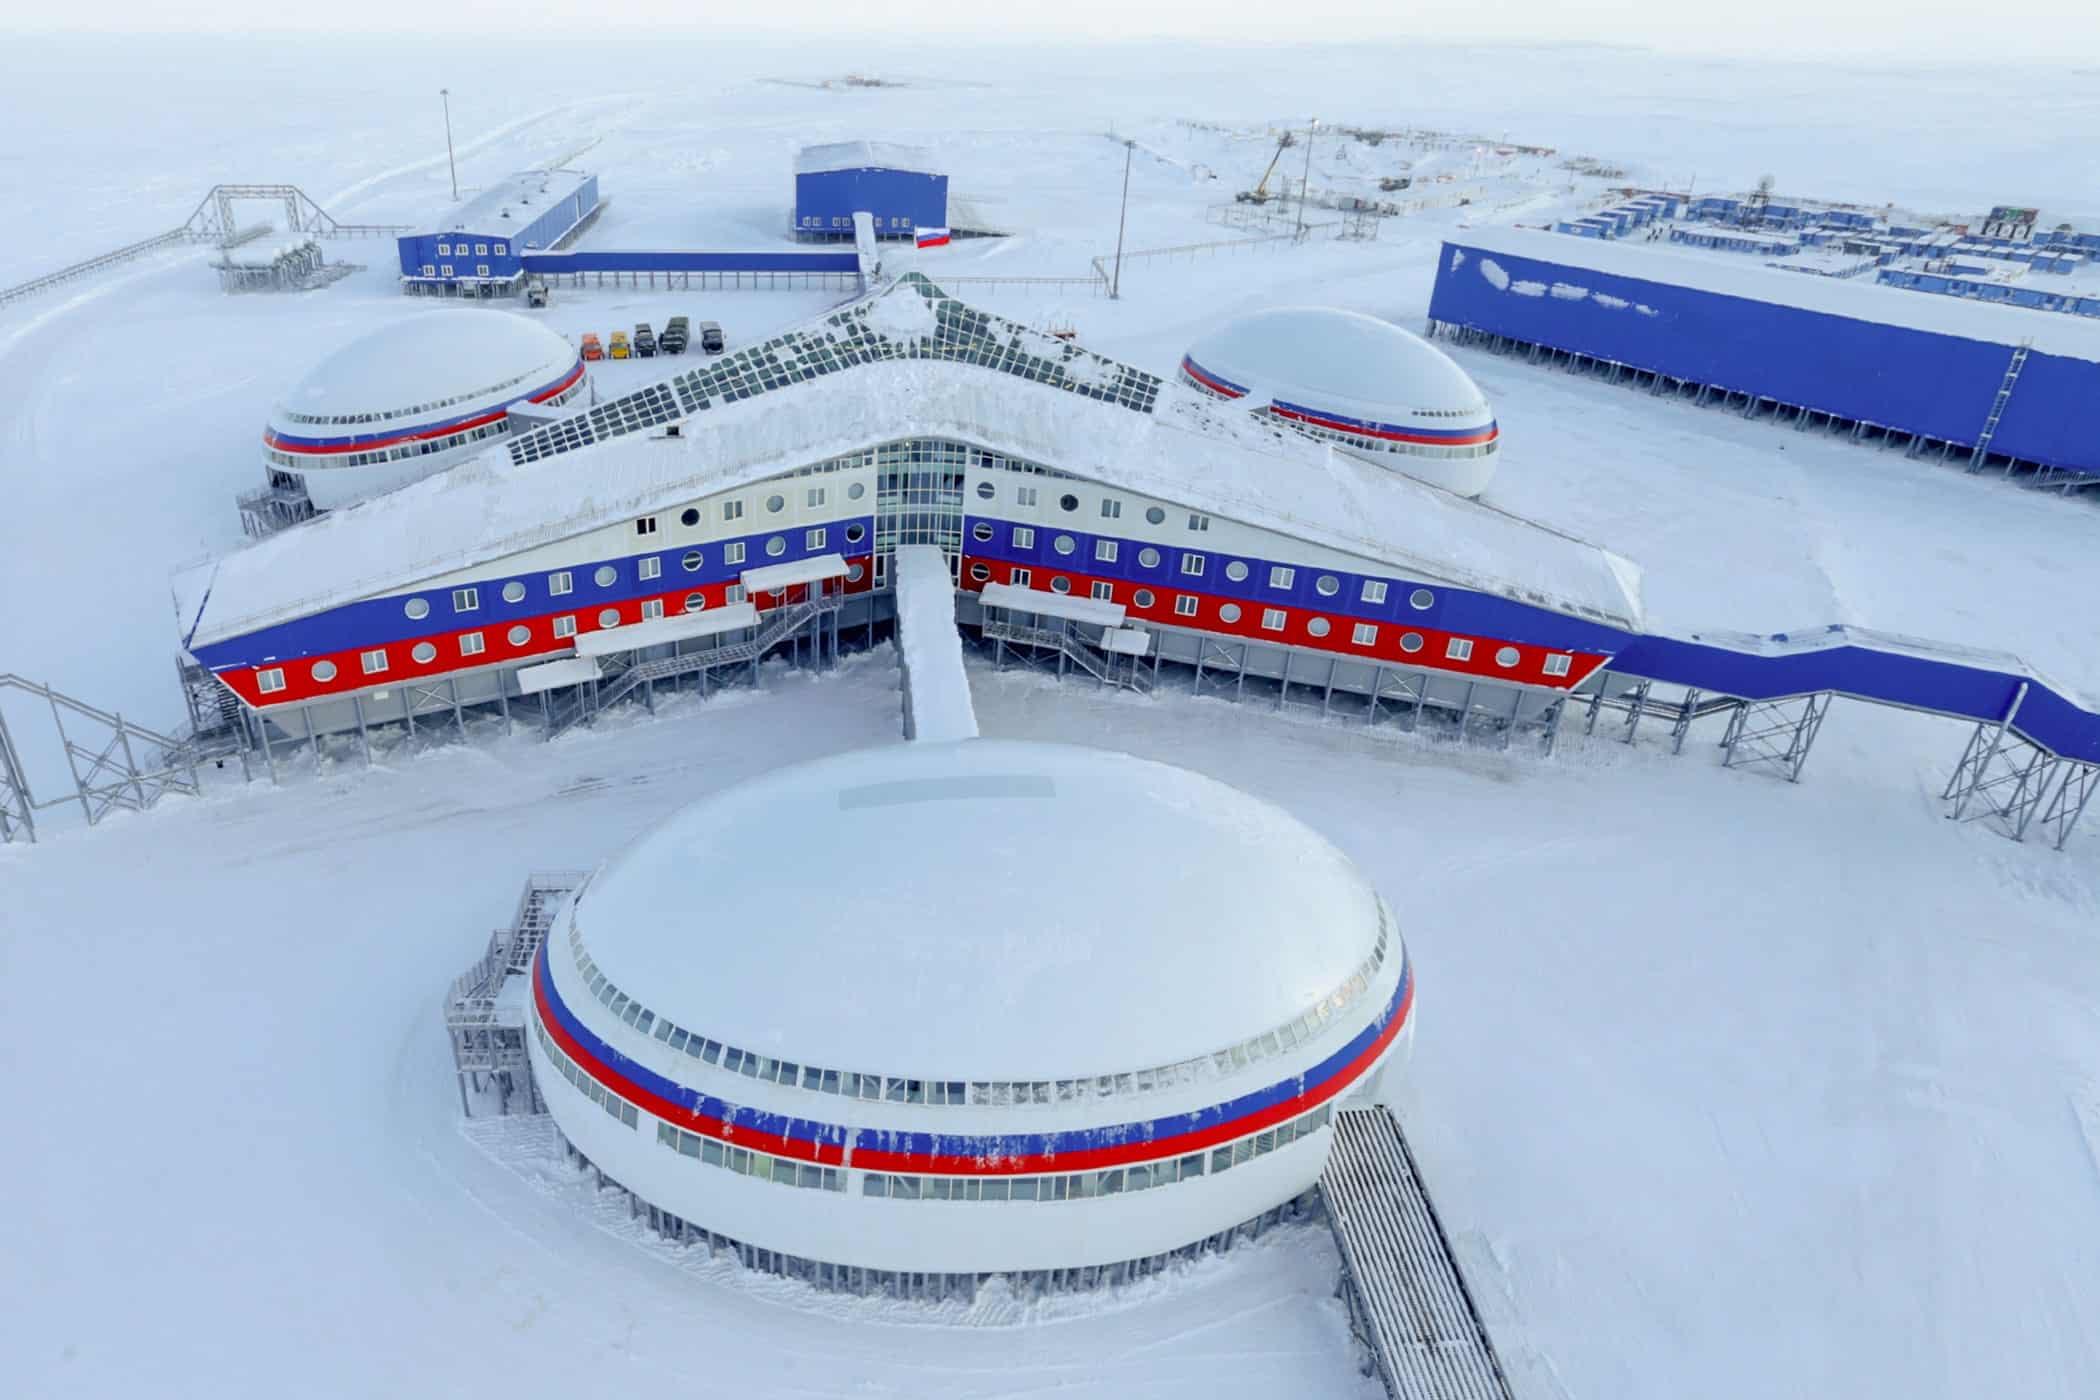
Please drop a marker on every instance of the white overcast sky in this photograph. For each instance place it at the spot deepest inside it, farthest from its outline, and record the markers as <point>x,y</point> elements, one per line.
<point>2059,31</point>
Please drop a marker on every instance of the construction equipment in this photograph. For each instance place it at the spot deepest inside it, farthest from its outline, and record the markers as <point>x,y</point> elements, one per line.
<point>1395,182</point>
<point>1260,193</point>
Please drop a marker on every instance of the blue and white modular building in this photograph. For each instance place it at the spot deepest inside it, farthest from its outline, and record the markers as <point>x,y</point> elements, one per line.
<point>898,186</point>
<point>480,247</point>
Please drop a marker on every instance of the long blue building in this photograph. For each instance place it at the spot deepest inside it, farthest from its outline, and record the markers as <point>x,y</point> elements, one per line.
<point>480,248</point>
<point>2000,382</point>
<point>897,185</point>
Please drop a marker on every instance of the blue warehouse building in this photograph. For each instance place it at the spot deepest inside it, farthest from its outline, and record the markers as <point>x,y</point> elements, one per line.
<point>2000,383</point>
<point>480,248</point>
<point>897,185</point>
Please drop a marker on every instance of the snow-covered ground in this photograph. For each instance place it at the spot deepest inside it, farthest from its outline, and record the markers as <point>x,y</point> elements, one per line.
<point>1726,1087</point>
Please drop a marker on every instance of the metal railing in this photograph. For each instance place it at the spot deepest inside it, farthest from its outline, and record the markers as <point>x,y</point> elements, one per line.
<point>121,766</point>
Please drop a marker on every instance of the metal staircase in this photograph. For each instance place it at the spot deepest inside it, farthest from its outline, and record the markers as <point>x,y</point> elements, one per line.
<point>1071,649</point>
<point>118,766</point>
<point>2013,367</point>
<point>778,626</point>
<point>485,1021</point>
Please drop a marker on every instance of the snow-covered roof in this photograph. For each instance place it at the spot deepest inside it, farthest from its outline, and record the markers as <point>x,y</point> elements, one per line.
<point>864,155</point>
<point>436,363</point>
<point>937,703</point>
<point>514,201</point>
<point>971,942</point>
<point>894,366</point>
<point>2048,331</point>
<point>1343,362</point>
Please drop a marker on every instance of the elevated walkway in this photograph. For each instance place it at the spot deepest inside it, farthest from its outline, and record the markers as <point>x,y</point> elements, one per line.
<point>1408,1301</point>
<point>937,704</point>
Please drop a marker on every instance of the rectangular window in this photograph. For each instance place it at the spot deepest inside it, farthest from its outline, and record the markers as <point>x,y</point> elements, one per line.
<point>1111,510</point>
<point>813,539</point>
<point>1185,605</point>
<point>481,269</point>
<point>430,269</point>
<point>565,625</point>
<point>1024,538</point>
<point>649,567</point>
<point>1557,664</point>
<point>1199,522</point>
<point>734,593</point>
<point>1106,592</point>
<point>1281,578</point>
<point>1458,649</point>
<point>1024,495</point>
<point>816,495</point>
<point>465,599</point>
<point>1105,551</point>
<point>560,583</point>
<point>1374,590</point>
<point>1021,577</point>
<point>445,268</point>
<point>646,525</point>
<point>502,249</point>
<point>1192,564</point>
<point>481,250</point>
<point>270,681</point>
<point>444,250</point>
<point>470,644</point>
<point>652,607</point>
<point>733,552</point>
<point>1272,619</point>
<point>732,510</point>
<point>1365,634</point>
<point>373,661</point>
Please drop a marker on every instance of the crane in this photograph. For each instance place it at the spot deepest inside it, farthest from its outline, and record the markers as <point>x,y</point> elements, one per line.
<point>1260,193</point>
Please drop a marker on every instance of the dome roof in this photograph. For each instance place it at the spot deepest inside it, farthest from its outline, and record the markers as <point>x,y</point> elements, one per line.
<point>432,365</point>
<point>981,910</point>
<point>1343,361</point>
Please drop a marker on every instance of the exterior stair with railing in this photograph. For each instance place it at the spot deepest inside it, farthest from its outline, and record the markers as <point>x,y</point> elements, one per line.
<point>1103,666</point>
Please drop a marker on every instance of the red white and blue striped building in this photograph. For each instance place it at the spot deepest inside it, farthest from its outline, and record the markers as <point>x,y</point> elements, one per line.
<point>1363,384</point>
<point>949,1074</point>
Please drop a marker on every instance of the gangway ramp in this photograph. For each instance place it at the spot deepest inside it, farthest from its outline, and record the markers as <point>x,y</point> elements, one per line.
<point>1408,1302</point>
<point>937,705</point>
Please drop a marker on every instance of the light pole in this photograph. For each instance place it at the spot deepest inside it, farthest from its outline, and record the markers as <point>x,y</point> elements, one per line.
<point>1305,186</point>
<point>445,95</point>
<point>1115,286</point>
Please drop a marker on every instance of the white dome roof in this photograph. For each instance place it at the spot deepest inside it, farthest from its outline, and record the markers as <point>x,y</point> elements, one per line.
<point>1342,362</point>
<point>981,910</point>
<point>432,365</point>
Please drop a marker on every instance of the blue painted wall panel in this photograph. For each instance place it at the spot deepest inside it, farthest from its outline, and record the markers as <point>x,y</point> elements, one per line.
<point>676,260</point>
<point>899,200</point>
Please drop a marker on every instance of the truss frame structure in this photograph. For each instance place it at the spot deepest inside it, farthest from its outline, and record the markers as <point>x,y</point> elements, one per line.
<point>1775,734</point>
<point>2009,781</point>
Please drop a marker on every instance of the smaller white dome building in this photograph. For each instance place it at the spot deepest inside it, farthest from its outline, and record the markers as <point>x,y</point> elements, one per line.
<point>412,398</point>
<point>1361,383</point>
<point>937,1011</point>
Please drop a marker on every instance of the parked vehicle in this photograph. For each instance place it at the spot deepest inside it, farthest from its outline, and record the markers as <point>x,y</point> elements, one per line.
<point>592,350</point>
<point>644,340</point>
<point>535,291</point>
<point>677,334</point>
<point>621,350</point>
<point>711,338</point>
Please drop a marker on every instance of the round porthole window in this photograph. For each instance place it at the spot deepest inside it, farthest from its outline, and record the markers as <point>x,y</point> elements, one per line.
<point>1064,544</point>
<point>1420,598</point>
<point>1060,584</point>
<point>520,635</point>
<point>1506,657</point>
<point>775,503</point>
<point>1236,571</point>
<point>324,671</point>
<point>424,652</point>
<point>692,561</point>
<point>776,547</point>
<point>694,602</point>
<point>985,490</point>
<point>1328,585</point>
<point>980,531</point>
<point>606,575</point>
<point>1149,557</point>
<point>689,517</point>
<point>417,608</point>
<point>1229,613</point>
<point>856,533</point>
<point>513,592</point>
<point>854,573</point>
<point>609,618</point>
<point>979,572</point>
<point>1410,641</point>
<point>1155,516</point>
<point>856,491</point>
<point>1142,598</point>
<point>1068,502</point>
<point>1318,627</point>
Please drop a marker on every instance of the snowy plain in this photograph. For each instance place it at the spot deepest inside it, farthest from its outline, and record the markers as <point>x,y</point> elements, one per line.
<point>1725,1087</point>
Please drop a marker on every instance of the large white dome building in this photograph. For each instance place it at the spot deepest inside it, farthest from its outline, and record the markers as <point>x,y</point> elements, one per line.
<point>1046,1009</point>
<point>1356,381</point>
<point>412,398</point>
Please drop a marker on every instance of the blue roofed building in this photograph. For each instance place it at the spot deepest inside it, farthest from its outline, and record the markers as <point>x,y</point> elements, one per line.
<point>898,186</point>
<point>479,248</point>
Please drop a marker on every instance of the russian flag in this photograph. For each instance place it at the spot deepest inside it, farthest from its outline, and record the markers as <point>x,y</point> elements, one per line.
<point>933,238</point>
